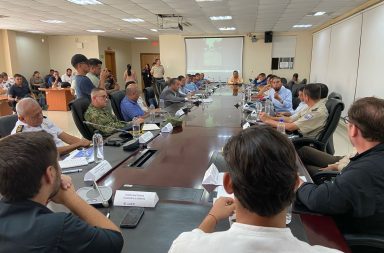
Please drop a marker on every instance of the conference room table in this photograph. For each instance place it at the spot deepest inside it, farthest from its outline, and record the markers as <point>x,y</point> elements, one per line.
<point>174,167</point>
<point>58,98</point>
<point>5,109</point>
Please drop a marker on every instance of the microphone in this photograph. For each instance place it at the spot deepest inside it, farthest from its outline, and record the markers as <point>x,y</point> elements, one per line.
<point>103,201</point>
<point>98,125</point>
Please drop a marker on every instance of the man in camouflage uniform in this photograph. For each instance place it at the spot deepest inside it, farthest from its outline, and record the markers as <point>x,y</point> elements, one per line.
<point>98,113</point>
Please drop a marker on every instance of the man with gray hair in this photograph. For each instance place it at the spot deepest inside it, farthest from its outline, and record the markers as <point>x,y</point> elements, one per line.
<point>130,108</point>
<point>31,119</point>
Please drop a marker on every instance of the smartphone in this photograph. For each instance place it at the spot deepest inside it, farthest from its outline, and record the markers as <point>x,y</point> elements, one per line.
<point>132,217</point>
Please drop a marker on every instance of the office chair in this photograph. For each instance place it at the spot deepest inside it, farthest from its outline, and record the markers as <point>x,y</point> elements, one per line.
<point>284,81</point>
<point>149,96</point>
<point>78,109</point>
<point>365,243</point>
<point>295,94</point>
<point>7,123</point>
<point>334,107</point>
<point>116,98</point>
<point>335,95</point>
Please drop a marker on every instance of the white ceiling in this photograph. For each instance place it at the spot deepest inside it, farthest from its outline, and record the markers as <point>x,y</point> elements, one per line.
<point>248,15</point>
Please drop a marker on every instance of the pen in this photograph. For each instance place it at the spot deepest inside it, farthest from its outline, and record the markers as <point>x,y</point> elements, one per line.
<point>71,171</point>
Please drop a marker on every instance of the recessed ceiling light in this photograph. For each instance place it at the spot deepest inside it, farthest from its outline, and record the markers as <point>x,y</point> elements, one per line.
<point>133,20</point>
<point>84,2</point>
<point>301,26</point>
<point>35,31</point>
<point>319,13</point>
<point>227,28</point>
<point>214,18</point>
<point>96,31</point>
<point>52,21</point>
<point>141,38</point>
<point>154,30</point>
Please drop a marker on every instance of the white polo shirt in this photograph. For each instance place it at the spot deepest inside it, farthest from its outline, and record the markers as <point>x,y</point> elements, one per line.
<point>245,239</point>
<point>46,126</point>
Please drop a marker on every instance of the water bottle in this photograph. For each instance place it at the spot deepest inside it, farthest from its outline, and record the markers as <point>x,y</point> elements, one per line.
<point>161,104</point>
<point>268,107</point>
<point>281,126</point>
<point>135,128</point>
<point>152,113</point>
<point>98,144</point>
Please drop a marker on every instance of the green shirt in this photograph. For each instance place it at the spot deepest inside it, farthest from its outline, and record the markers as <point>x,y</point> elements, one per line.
<point>103,117</point>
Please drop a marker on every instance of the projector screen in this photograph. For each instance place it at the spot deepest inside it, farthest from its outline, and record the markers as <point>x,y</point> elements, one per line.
<point>217,58</point>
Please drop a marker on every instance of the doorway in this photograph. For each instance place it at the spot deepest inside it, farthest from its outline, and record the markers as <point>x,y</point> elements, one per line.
<point>110,61</point>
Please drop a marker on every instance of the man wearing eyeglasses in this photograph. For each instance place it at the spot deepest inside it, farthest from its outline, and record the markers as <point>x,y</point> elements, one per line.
<point>355,197</point>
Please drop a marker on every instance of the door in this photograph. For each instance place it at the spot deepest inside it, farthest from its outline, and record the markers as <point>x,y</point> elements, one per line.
<point>147,58</point>
<point>110,61</point>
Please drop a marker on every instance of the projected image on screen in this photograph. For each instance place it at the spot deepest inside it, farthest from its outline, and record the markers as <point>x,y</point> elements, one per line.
<point>216,57</point>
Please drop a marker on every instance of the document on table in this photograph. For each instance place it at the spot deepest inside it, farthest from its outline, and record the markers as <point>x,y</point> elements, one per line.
<point>149,127</point>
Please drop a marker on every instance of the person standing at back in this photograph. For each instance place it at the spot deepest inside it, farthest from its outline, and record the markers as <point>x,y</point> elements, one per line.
<point>147,76</point>
<point>157,70</point>
<point>129,75</point>
<point>264,188</point>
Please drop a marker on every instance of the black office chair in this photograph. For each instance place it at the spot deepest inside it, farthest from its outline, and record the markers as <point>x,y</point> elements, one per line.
<point>295,94</point>
<point>335,95</point>
<point>78,109</point>
<point>116,98</point>
<point>361,243</point>
<point>334,107</point>
<point>149,96</point>
<point>7,123</point>
<point>284,81</point>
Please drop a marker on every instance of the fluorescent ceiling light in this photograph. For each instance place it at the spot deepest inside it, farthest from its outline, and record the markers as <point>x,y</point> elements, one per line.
<point>154,30</point>
<point>35,31</point>
<point>141,38</point>
<point>319,13</point>
<point>96,31</point>
<point>214,18</point>
<point>52,21</point>
<point>227,28</point>
<point>84,2</point>
<point>301,26</point>
<point>133,20</point>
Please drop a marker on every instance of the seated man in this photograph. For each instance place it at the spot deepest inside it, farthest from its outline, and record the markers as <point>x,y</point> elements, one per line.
<point>260,81</point>
<point>171,93</point>
<point>31,119</point>
<point>264,188</point>
<point>36,81</point>
<point>280,96</point>
<point>309,122</point>
<point>3,89</point>
<point>101,117</point>
<point>235,78</point>
<point>48,77</point>
<point>67,77</point>
<point>295,80</point>
<point>30,177</point>
<point>190,85</point>
<point>300,107</point>
<point>110,83</point>
<point>18,91</point>
<point>55,80</point>
<point>129,105</point>
<point>355,197</point>
<point>183,82</point>
<point>7,82</point>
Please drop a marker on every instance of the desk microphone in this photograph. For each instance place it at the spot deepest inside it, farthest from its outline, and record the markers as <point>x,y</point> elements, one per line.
<point>103,201</point>
<point>98,125</point>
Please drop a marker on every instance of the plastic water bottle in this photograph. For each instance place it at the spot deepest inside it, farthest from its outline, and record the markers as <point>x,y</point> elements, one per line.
<point>135,128</point>
<point>161,104</point>
<point>152,113</point>
<point>281,126</point>
<point>98,147</point>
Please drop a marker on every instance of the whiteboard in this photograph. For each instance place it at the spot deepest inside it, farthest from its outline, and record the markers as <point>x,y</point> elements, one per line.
<point>344,58</point>
<point>320,53</point>
<point>370,81</point>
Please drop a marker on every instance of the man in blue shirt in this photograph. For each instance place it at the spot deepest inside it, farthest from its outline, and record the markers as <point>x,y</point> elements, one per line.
<point>84,85</point>
<point>190,86</point>
<point>280,96</point>
<point>129,106</point>
<point>261,80</point>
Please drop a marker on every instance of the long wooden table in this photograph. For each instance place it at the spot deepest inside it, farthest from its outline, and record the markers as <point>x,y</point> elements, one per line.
<point>5,109</point>
<point>58,98</point>
<point>180,160</point>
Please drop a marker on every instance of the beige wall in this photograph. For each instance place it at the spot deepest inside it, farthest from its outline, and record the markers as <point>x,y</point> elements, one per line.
<point>31,54</point>
<point>62,48</point>
<point>256,56</point>
<point>137,48</point>
<point>3,53</point>
<point>122,54</point>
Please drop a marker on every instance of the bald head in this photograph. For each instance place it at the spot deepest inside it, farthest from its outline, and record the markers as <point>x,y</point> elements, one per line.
<point>132,92</point>
<point>29,112</point>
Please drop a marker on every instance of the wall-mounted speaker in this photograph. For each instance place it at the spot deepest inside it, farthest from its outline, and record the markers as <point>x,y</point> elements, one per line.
<point>268,37</point>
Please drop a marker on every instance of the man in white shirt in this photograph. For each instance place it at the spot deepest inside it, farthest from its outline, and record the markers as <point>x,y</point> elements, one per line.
<point>31,120</point>
<point>67,77</point>
<point>263,190</point>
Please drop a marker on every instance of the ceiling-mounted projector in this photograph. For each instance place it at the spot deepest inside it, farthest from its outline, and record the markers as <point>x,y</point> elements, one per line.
<point>170,22</point>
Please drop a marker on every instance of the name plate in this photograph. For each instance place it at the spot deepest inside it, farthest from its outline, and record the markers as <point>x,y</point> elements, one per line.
<point>97,172</point>
<point>246,125</point>
<point>135,198</point>
<point>179,113</point>
<point>167,128</point>
<point>147,136</point>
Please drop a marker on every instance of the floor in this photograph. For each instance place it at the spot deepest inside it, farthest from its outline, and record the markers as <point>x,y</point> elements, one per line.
<point>64,121</point>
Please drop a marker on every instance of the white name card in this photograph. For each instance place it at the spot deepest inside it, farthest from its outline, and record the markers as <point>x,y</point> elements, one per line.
<point>97,172</point>
<point>246,125</point>
<point>179,113</point>
<point>212,178</point>
<point>245,107</point>
<point>135,198</point>
<point>167,128</point>
<point>147,136</point>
